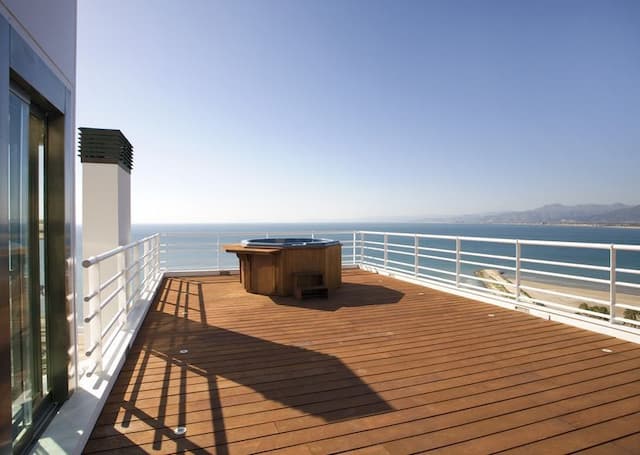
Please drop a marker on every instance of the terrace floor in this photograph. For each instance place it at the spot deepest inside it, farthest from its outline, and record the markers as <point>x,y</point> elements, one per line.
<point>382,367</point>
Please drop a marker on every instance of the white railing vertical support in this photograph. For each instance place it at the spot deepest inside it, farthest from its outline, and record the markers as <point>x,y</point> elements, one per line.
<point>386,250</point>
<point>458,262</point>
<point>612,284</point>
<point>218,251</point>
<point>95,323</point>
<point>121,283</point>
<point>361,247</point>
<point>354,247</point>
<point>157,270</point>
<point>518,256</point>
<point>416,257</point>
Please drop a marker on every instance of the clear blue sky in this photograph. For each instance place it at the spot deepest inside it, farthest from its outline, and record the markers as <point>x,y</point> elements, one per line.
<point>249,110</point>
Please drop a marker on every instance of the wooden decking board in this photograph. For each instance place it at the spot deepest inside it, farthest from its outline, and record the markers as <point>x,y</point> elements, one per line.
<point>405,387</point>
<point>397,404</point>
<point>390,367</point>
<point>626,445</point>
<point>426,336</point>
<point>303,386</point>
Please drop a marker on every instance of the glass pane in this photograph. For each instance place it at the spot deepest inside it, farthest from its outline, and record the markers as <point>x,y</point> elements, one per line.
<point>37,266</point>
<point>19,276</point>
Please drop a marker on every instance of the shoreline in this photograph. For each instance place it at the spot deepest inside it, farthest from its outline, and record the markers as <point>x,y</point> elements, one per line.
<point>506,285</point>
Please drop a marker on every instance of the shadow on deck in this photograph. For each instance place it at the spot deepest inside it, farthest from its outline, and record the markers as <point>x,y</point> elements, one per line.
<point>381,367</point>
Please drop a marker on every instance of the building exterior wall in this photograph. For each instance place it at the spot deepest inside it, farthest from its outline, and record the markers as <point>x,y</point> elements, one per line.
<point>50,27</point>
<point>38,54</point>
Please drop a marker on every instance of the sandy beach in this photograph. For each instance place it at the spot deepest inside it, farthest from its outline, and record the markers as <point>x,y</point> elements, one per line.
<point>507,285</point>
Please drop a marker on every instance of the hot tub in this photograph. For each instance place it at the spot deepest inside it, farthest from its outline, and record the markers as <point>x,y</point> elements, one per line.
<point>273,266</point>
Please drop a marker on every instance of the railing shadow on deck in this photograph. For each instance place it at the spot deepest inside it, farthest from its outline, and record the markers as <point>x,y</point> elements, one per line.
<point>278,372</point>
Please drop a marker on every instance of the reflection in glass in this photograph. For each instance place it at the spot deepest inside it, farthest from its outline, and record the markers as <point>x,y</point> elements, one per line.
<point>19,277</point>
<point>27,273</point>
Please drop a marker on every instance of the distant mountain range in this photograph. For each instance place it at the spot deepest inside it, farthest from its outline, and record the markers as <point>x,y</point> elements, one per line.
<point>619,214</point>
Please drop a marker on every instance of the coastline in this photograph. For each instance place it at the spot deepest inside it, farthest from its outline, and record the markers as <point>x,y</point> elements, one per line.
<point>507,285</point>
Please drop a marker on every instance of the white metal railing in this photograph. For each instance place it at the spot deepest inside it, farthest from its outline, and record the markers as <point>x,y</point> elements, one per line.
<point>443,260</point>
<point>536,276</point>
<point>117,281</point>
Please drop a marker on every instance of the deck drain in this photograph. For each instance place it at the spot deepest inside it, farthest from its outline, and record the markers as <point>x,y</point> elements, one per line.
<point>420,293</point>
<point>179,431</point>
<point>607,350</point>
<point>183,351</point>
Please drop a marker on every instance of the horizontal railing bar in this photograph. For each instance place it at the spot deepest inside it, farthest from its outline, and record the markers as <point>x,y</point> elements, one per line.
<point>627,284</point>
<point>112,296</point>
<point>401,245</point>
<point>625,306</point>
<point>564,275</point>
<point>89,352</point>
<point>563,294</point>
<point>395,269</point>
<point>490,256</point>
<point>565,264</point>
<point>484,290</point>
<point>439,258</point>
<point>485,264</point>
<point>103,286</point>
<point>404,264</point>
<point>113,321</point>
<point>436,250</point>
<point>431,269</point>
<point>373,257</point>
<point>101,257</point>
<point>625,320</point>
<point>436,278</point>
<point>555,243</point>
<point>113,337</point>
<point>632,271</point>
<point>567,308</point>
<point>488,280</point>
<point>404,253</point>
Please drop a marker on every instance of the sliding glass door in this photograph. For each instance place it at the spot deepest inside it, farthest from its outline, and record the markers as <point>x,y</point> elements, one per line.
<point>27,273</point>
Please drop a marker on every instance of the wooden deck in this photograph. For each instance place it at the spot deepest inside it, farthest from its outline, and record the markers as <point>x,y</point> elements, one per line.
<point>382,367</point>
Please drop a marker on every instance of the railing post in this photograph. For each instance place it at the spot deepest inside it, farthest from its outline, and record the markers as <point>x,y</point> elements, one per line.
<point>457,262</point>
<point>416,259</point>
<point>385,247</point>
<point>361,247</point>
<point>354,247</point>
<point>135,276</point>
<point>218,251</point>
<point>612,284</point>
<point>157,258</point>
<point>518,256</point>
<point>94,326</point>
<point>121,283</point>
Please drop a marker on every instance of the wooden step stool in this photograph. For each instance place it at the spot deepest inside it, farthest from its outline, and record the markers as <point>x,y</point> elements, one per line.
<point>308,285</point>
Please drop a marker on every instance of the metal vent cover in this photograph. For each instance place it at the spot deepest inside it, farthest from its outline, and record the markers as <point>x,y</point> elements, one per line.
<point>99,145</point>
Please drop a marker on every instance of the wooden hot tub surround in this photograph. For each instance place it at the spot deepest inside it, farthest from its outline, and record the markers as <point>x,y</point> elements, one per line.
<point>272,270</point>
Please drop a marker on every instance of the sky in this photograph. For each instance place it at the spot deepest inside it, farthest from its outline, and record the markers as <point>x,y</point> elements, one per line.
<point>337,110</point>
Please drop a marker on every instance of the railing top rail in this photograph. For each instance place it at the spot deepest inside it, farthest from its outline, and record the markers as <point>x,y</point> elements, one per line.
<point>106,255</point>
<point>591,245</point>
<point>246,233</point>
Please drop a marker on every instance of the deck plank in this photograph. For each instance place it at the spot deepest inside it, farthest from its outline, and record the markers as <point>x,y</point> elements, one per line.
<point>381,367</point>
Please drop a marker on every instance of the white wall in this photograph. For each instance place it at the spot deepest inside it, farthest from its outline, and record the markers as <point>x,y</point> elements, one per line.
<point>106,207</point>
<point>50,26</point>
